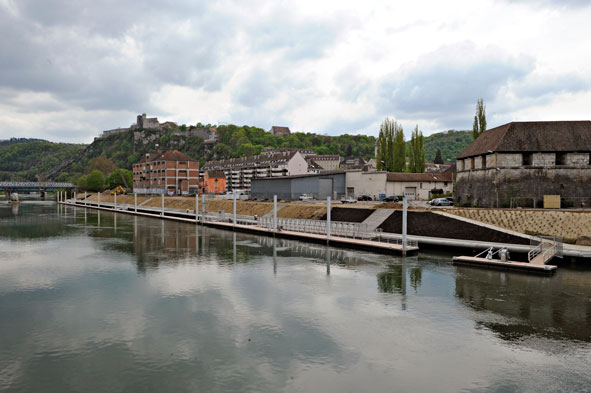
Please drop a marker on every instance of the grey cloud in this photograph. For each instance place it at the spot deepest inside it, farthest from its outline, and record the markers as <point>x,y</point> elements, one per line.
<point>440,87</point>
<point>541,88</point>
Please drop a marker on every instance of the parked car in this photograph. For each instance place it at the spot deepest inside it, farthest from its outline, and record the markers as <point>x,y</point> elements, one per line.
<point>391,198</point>
<point>364,198</point>
<point>349,200</point>
<point>441,202</point>
<point>306,197</point>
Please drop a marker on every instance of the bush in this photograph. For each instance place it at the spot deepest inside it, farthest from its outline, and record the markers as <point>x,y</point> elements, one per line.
<point>95,181</point>
<point>463,204</point>
<point>565,204</point>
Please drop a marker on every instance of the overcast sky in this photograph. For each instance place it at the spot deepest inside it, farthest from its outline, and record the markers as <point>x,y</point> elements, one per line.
<point>70,69</point>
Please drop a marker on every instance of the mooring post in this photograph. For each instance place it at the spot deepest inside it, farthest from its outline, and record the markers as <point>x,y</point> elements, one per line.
<point>327,218</point>
<point>202,208</point>
<point>98,196</point>
<point>404,209</point>
<point>84,198</point>
<point>197,207</point>
<point>234,207</point>
<point>115,201</point>
<point>162,213</point>
<point>274,213</point>
<point>135,202</point>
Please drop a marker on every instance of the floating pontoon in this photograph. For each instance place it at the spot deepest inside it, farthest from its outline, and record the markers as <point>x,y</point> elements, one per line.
<point>543,250</point>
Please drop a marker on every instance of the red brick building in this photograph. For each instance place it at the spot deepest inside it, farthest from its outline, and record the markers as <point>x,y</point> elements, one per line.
<point>213,182</point>
<point>171,171</point>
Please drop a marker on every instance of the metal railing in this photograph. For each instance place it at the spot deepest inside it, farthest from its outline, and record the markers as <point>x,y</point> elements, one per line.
<point>548,246</point>
<point>337,229</point>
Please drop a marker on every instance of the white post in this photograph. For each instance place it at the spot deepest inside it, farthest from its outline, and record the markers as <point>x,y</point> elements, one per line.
<point>162,213</point>
<point>327,218</point>
<point>84,198</point>
<point>404,209</point>
<point>58,196</point>
<point>202,208</point>
<point>74,197</point>
<point>115,200</point>
<point>234,207</point>
<point>98,195</point>
<point>197,207</point>
<point>274,213</point>
<point>135,201</point>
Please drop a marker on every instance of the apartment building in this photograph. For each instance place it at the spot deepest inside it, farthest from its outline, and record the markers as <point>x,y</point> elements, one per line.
<point>239,172</point>
<point>170,172</point>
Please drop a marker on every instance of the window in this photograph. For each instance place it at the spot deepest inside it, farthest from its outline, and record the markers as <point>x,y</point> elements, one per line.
<point>560,158</point>
<point>472,163</point>
<point>483,163</point>
<point>526,159</point>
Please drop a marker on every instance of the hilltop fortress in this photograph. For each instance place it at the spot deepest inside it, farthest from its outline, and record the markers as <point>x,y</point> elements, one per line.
<point>142,123</point>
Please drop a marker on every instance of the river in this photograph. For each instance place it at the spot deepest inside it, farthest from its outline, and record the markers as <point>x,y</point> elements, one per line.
<point>105,302</point>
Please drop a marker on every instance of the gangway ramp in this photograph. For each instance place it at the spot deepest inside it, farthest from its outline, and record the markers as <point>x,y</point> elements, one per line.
<point>376,219</point>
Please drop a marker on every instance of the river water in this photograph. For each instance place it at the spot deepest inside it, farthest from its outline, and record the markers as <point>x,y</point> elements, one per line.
<point>109,302</point>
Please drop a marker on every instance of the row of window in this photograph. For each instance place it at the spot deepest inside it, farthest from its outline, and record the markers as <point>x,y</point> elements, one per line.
<point>526,160</point>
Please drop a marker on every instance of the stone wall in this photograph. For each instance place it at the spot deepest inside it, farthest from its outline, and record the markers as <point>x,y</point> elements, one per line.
<point>481,187</point>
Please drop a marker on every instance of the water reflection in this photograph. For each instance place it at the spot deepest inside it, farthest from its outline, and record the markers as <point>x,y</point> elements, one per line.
<point>554,307</point>
<point>214,310</point>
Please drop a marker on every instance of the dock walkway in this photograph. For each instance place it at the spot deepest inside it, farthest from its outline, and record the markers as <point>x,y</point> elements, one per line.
<point>247,224</point>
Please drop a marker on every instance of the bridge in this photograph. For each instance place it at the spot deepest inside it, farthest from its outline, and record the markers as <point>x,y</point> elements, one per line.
<point>13,186</point>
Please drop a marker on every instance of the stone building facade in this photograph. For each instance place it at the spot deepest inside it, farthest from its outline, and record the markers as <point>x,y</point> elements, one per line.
<point>525,161</point>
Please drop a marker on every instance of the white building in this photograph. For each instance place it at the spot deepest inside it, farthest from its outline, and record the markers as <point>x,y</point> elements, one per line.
<point>412,185</point>
<point>240,171</point>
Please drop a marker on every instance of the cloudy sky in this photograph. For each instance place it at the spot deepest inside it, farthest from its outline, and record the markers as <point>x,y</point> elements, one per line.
<point>70,69</point>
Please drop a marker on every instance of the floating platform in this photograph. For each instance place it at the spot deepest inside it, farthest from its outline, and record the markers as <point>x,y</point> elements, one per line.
<point>510,265</point>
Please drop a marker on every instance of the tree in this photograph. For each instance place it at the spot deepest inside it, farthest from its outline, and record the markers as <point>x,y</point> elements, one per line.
<point>95,181</point>
<point>115,179</point>
<point>385,143</point>
<point>438,159</point>
<point>399,149</point>
<point>479,125</point>
<point>102,164</point>
<point>81,182</point>
<point>416,152</point>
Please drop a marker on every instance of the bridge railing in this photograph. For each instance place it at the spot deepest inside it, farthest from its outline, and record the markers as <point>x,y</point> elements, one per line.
<point>34,185</point>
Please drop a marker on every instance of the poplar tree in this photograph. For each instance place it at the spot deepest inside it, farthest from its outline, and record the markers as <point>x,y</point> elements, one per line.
<point>479,125</point>
<point>416,152</point>
<point>385,143</point>
<point>399,150</point>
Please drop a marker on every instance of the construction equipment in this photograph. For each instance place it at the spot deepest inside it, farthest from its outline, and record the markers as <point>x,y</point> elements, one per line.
<point>118,190</point>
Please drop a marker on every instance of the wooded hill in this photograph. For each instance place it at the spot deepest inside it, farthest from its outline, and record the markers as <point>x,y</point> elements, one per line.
<point>451,143</point>
<point>23,159</point>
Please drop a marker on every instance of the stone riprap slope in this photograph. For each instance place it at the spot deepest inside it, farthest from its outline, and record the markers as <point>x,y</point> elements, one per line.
<point>570,225</point>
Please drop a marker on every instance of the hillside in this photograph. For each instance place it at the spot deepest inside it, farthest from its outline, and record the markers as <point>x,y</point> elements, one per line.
<point>126,148</point>
<point>451,143</point>
<point>23,159</point>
